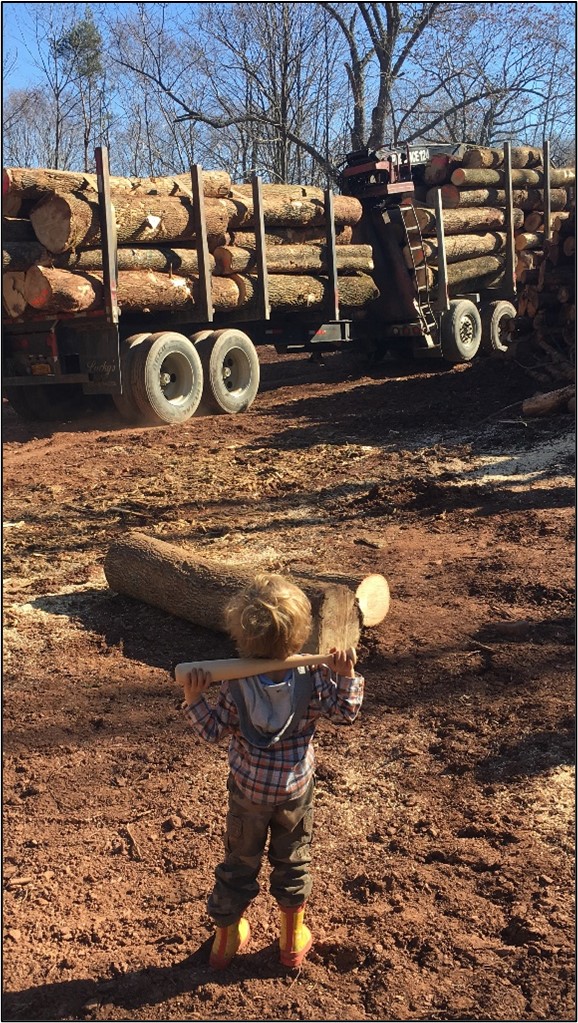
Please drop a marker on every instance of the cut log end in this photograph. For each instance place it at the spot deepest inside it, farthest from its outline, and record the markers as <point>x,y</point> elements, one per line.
<point>373,598</point>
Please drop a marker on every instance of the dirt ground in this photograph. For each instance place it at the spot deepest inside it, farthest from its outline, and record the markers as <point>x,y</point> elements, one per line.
<point>444,842</point>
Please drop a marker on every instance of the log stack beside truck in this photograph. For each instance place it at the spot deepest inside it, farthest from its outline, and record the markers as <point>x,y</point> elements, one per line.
<point>159,291</point>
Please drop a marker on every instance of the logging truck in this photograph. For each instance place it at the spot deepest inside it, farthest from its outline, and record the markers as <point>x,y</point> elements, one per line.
<point>164,367</point>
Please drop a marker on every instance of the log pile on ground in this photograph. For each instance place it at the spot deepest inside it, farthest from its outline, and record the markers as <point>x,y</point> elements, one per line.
<point>473,197</point>
<point>546,322</point>
<point>52,261</point>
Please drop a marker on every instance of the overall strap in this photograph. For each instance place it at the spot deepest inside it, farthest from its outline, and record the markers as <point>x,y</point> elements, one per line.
<point>303,690</point>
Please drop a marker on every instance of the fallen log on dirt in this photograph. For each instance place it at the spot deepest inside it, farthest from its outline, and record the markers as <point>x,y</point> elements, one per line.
<point>544,404</point>
<point>178,582</point>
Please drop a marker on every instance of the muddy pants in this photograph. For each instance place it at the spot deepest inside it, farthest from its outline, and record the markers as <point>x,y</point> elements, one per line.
<point>290,827</point>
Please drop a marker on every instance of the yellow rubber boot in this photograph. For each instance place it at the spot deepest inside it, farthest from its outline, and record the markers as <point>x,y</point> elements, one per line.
<point>295,939</point>
<point>228,941</point>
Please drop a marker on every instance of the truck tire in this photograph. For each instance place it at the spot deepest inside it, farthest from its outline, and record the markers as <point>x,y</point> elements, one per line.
<point>125,402</point>
<point>46,402</point>
<point>461,331</point>
<point>166,378</point>
<point>496,331</point>
<point>231,371</point>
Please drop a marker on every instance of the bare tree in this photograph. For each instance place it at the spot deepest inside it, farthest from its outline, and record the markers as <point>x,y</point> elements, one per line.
<point>453,71</point>
<point>253,84</point>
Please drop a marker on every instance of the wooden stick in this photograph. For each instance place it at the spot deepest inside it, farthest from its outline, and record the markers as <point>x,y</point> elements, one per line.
<point>246,667</point>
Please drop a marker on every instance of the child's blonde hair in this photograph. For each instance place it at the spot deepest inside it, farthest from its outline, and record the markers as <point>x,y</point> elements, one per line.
<point>269,618</point>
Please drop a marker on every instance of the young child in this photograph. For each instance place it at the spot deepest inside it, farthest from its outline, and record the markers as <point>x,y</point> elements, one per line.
<point>271,721</point>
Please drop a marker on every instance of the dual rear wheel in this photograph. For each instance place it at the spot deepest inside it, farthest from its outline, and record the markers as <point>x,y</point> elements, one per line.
<point>464,330</point>
<point>167,377</point>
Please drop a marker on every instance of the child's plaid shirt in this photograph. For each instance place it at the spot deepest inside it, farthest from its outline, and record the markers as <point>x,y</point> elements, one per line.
<point>283,771</point>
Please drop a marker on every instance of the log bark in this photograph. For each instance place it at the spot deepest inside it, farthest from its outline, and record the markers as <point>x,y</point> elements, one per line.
<point>527,200</point>
<point>466,276</point>
<point>54,290</point>
<point>467,177</point>
<point>23,187</point>
<point>179,583</point>
<point>534,221</point>
<point>291,236</point>
<point>527,262</point>
<point>147,292</point>
<point>459,247</point>
<point>462,221</point>
<point>291,205</point>
<point>439,169</point>
<point>295,259</point>
<point>300,293</point>
<point>58,291</point>
<point>488,283</point>
<point>21,256</point>
<point>17,230</point>
<point>13,298</point>
<point>544,404</point>
<point>528,240</point>
<point>63,222</point>
<point>560,218</point>
<point>469,269</point>
<point>522,156</point>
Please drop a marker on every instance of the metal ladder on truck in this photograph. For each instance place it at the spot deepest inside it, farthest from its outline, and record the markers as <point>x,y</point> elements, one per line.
<point>407,217</point>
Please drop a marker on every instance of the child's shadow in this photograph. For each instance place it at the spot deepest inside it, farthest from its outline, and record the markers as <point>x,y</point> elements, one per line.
<point>70,999</point>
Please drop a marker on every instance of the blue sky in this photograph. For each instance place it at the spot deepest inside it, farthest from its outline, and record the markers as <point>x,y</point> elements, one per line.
<point>18,21</point>
<point>13,16</point>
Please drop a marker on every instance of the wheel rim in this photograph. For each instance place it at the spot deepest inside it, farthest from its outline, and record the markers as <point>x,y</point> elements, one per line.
<point>176,378</point>
<point>235,371</point>
<point>467,333</point>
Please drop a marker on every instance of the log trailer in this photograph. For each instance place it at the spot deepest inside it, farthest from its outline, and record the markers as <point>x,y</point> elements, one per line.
<point>160,368</point>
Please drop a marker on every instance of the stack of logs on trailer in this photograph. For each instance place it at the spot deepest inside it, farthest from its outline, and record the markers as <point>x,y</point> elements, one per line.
<point>473,197</point>
<point>52,261</point>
